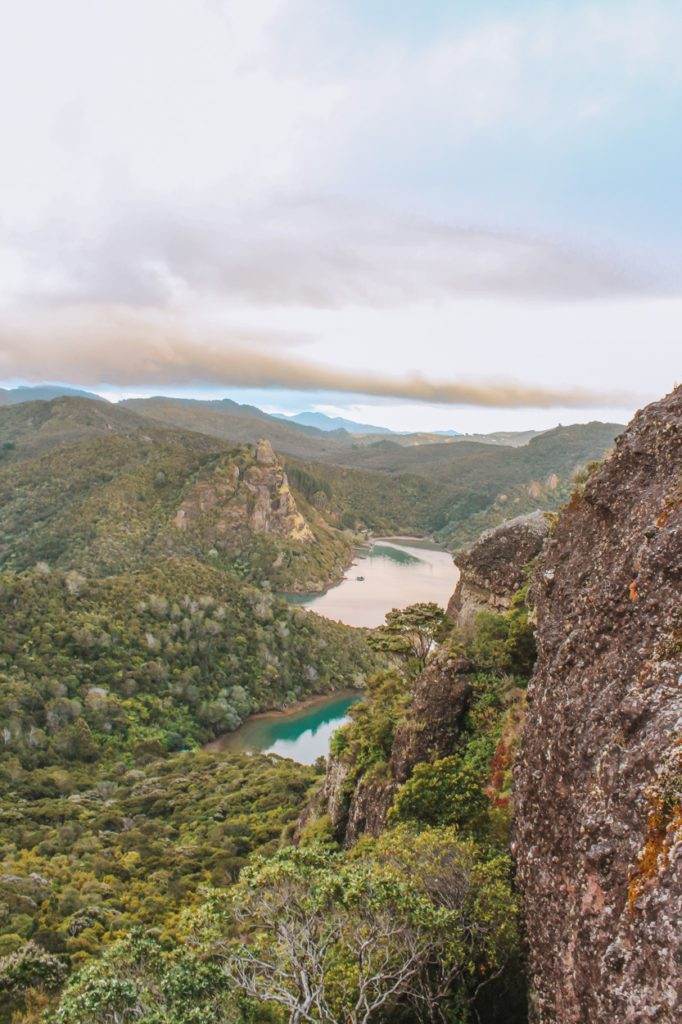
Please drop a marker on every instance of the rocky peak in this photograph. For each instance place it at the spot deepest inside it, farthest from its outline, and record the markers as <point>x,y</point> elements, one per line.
<point>598,833</point>
<point>493,568</point>
<point>247,492</point>
<point>264,452</point>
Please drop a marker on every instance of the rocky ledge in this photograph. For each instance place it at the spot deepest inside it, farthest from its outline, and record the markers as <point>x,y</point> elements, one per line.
<point>494,567</point>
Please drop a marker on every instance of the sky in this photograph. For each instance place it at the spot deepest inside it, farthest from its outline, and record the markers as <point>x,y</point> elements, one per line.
<point>426,215</point>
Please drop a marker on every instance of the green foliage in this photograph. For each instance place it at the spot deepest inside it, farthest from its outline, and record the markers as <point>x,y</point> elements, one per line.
<point>29,968</point>
<point>307,483</point>
<point>97,854</point>
<point>103,826</point>
<point>505,642</point>
<point>367,740</point>
<point>411,633</point>
<point>138,979</point>
<point>410,923</point>
<point>129,637</point>
<point>448,792</point>
<point>155,661</point>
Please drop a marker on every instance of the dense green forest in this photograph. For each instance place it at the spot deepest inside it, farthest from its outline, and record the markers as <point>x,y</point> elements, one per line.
<point>88,486</point>
<point>135,854</point>
<point>158,660</point>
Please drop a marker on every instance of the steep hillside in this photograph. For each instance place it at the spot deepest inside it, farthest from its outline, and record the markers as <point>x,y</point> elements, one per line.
<point>365,500</point>
<point>97,488</point>
<point>31,427</point>
<point>598,776</point>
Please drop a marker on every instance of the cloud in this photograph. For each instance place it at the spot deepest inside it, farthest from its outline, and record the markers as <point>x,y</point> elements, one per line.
<point>321,253</point>
<point>160,164</point>
<point>125,348</point>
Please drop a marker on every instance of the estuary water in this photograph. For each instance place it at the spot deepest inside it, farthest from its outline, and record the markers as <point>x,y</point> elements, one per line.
<point>392,572</point>
<point>303,734</point>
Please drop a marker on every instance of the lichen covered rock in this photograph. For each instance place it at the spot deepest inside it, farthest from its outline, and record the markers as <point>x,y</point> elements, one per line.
<point>493,568</point>
<point>369,806</point>
<point>598,832</point>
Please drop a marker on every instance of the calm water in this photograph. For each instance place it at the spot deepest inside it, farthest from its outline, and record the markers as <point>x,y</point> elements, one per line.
<point>396,573</point>
<point>302,735</point>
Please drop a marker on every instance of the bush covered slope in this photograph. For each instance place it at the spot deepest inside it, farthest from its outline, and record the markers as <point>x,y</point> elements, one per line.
<point>162,659</point>
<point>458,490</point>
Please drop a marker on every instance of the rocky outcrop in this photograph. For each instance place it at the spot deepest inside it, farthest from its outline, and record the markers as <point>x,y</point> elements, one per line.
<point>598,832</point>
<point>248,492</point>
<point>494,567</point>
<point>369,806</point>
<point>335,795</point>
<point>431,728</point>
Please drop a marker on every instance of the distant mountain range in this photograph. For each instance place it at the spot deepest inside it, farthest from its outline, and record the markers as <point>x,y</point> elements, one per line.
<point>42,393</point>
<point>328,423</point>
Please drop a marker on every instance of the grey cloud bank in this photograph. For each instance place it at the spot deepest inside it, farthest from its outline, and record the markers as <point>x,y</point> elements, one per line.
<point>315,253</point>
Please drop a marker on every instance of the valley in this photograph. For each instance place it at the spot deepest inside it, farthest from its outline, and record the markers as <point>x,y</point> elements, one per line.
<point>341,512</point>
<point>228,680</point>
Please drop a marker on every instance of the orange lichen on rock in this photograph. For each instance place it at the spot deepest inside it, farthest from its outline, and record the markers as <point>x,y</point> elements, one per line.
<point>664,829</point>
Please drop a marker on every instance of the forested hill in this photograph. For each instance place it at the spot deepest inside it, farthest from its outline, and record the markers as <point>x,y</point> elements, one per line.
<point>456,490</point>
<point>91,486</point>
<point>233,422</point>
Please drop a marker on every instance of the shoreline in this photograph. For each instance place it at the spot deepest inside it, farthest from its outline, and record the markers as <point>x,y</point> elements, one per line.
<point>361,550</point>
<point>277,713</point>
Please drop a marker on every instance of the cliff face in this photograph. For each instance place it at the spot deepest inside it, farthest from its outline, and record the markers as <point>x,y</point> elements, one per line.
<point>493,568</point>
<point>598,833</point>
<point>248,493</point>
